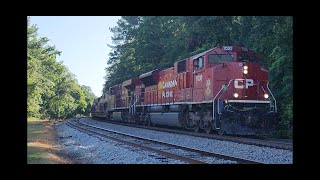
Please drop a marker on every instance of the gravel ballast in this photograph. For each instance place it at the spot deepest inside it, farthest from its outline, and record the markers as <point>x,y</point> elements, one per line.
<point>250,152</point>
<point>88,149</point>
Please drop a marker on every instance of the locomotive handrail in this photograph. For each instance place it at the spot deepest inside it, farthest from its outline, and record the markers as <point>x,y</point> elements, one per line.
<point>134,104</point>
<point>275,102</point>
<point>222,87</point>
<point>168,100</point>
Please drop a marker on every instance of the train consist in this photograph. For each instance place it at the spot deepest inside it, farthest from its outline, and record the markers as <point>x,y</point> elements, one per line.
<point>223,89</point>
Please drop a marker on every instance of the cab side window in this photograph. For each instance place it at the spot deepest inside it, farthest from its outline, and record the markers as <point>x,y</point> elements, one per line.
<point>198,63</point>
<point>182,66</point>
<point>112,91</point>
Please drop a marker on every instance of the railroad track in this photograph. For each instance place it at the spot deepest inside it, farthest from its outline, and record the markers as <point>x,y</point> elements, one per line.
<point>273,143</point>
<point>186,154</point>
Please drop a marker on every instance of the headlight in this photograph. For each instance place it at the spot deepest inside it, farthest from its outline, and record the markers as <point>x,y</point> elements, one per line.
<point>266,96</point>
<point>245,69</point>
<point>236,95</point>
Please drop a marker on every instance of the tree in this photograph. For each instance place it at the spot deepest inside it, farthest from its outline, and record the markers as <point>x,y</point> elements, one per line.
<point>89,97</point>
<point>53,91</point>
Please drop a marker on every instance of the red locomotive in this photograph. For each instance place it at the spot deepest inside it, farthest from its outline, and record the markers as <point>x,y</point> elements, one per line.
<point>223,89</point>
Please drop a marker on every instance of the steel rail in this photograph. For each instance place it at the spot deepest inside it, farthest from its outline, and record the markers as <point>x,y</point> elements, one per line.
<point>203,153</point>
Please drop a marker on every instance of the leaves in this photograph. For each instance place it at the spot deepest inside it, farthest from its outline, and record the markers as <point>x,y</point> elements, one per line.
<point>53,91</point>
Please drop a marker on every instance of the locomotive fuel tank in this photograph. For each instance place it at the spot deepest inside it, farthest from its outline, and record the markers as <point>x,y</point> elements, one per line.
<point>156,108</point>
<point>166,119</point>
<point>175,107</point>
<point>117,116</point>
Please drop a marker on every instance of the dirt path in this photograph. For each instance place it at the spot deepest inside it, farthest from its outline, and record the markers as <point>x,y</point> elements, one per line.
<point>43,145</point>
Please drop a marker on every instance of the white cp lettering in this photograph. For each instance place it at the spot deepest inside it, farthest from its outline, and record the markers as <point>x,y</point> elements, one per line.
<point>248,82</point>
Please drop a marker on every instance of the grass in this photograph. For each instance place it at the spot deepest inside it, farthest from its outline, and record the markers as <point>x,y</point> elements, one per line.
<point>33,119</point>
<point>40,144</point>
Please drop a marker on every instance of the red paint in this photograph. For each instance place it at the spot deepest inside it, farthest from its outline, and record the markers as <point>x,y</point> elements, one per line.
<point>188,81</point>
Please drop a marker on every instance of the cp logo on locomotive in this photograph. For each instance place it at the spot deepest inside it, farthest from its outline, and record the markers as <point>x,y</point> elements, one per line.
<point>239,83</point>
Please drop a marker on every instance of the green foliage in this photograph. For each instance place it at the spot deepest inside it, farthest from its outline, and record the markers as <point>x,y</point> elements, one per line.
<point>144,43</point>
<point>89,97</point>
<point>53,91</point>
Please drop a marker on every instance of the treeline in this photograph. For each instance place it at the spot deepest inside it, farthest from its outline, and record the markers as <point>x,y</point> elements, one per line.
<point>53,91</point>
<point>144,43</point>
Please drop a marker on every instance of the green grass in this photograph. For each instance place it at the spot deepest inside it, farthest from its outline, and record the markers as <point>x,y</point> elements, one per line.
<point>38,150</point>
<point>32,118</point>
<point>39,158</point>
<point>35,129</point>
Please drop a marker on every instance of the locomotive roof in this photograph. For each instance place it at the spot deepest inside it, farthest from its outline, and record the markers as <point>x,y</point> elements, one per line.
<point>147,74</point>
<point>201,54</point>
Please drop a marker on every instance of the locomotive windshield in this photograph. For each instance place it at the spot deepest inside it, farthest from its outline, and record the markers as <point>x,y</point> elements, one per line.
<point>245,58</point>
<point>220,58</point>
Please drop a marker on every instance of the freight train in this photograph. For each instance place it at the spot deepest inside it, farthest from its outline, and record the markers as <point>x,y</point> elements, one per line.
<point>223,90</point>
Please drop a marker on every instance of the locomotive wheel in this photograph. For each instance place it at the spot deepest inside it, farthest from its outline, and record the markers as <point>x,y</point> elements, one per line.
<point>145,123</point>
<point>147,120</point>
<point>196,128</point>
<point>149,123</point>
<point>207,129</point>
<point>221,132</point>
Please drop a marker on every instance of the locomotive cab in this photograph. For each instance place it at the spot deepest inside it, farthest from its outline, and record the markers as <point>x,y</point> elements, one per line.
<point>243,104</point>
